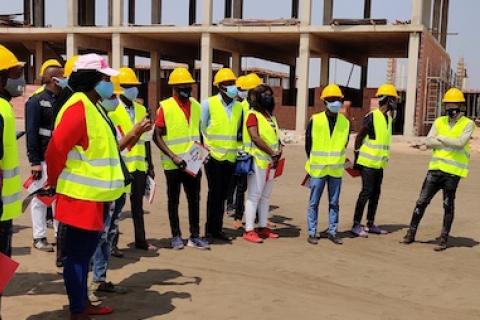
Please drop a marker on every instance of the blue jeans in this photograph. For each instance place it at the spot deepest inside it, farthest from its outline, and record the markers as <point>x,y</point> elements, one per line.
<point>316,189</point>
<point>104,248</point>
<point>79,248</point>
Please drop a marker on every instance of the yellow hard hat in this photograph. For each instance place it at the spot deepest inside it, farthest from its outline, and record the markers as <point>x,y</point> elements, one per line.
<point>68,69</point>
<point>330,91</point>
<point>453,95</point>
<point>47,64</point>
<point>252,81</point>
<point>387,89</point>
<point>223,75</point>
<point>127,76</point>
<point>117,88</point>
<point>180,75</point>
<point>240,83</point>
<point>8,59</point>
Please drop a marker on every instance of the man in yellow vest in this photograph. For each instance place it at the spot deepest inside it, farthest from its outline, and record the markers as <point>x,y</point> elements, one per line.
<point>221,124</point>
<point>372,151</point>
<point>137,157</point>
<point>177,129</point>
<point>12,84</point>
<point>326,139</point>
<point>449,138</point>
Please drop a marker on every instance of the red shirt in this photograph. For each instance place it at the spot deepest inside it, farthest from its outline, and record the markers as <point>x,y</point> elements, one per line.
<point>72,131</point>
<point>184,105</point>
<point>252,120</point>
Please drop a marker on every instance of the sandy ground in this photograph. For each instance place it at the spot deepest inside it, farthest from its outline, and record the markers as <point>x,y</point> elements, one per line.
<point>374,278</point>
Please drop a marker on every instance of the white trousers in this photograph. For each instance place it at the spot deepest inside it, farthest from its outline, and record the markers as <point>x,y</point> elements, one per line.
<point>258,198</point>
<point>39,218</point>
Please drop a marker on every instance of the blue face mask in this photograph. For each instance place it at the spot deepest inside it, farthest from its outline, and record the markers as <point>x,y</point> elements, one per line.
<point>109,104</point>
<point>231,91</point>
<point>334,106</point>
<point>130,93</point>
<point>61,82</point>
<point>104,89</point>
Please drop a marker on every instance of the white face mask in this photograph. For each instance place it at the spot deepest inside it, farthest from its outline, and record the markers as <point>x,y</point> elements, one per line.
<point>242,94</point>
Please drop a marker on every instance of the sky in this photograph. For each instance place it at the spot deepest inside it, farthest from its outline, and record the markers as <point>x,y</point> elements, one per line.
<point>462,43</point>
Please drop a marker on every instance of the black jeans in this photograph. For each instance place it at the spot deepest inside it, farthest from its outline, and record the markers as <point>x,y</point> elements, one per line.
<point>6,237</point>
<point>371,188</point>
<point>219,174</point>
<point>61,232</point>
<point>139,180</point>
<point>236,194</point>
<point>435,181</point>
<point>191,186</point>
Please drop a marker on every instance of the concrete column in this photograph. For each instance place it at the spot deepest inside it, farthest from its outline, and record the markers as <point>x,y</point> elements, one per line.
<point>116,13</point>
<point>412,73</point>
<point>131,11</point>
<point>39,13</point>
<point>207,10</point>
<point>437,9</point>
<point>72,47</point>
<point>27,12</point>
<point>324,70</point>
<point>444,25</point>
<point>72,13</point>
<point>328,11</point>
<point>367,9</point>
<point>228,9</point>
<point>302,82</point>
<point>427,13</point>
<point>86,12</point>
<point>154,83</point>
<point>363,77</point>
<point>305,13</point>
<point>236,63</point>
<point>117,51</point>
<point>295,9</point>
<point>156,11</point>
<point>38,60</point>
<point>206,71</point>
<point>238,9</point>
<point>192,12</point>
<point>417,11</point>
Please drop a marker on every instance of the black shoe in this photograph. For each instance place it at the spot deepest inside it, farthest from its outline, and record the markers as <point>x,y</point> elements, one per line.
<point>442,245</point>
<point>117,253</point>
<point>335,239</point>
<point>312,240</point>
<point>409,237</point>
<point>222,237</point>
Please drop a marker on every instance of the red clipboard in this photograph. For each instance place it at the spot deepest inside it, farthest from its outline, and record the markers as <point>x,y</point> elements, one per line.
<point>354,173</point>
<point>306,181</point>
<point>277,172</point>
<point>8,267</point>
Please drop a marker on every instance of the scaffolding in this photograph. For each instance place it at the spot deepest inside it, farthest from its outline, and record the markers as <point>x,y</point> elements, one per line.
<point>435,87</point>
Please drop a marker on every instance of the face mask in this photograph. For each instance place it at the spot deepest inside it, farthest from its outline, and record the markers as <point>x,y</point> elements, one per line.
<point>185,93</point>
<point>452,113</point>
<point>110,104</point>
<point>61,82</point>
<point>15,86</point>
<point>242,94</point>
<point>104,89</point>
<point>334,106</point>
<point>130,93</point>
<point>267,102</point>
<point>231,91</point>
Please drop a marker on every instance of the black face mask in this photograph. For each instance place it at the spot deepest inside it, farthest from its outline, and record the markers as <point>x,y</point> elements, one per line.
<point>452,113</point>
<point>390,102</point>
<point>184,93</point>
<point>267,102</point>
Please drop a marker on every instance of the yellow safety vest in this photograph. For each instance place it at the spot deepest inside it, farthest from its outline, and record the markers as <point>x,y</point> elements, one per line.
<point>246,144</point>
<point>11,190</point>
<point>221,134</point>
<point>451,160</point>
<point>271,136</point>
<point>135,158</point>
<point>375,153</point>
<point>181,133</point>
<point>327,156</point>
<point>94,174</point>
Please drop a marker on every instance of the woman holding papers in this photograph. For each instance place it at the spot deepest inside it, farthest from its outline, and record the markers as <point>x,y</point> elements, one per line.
<point>263,135</point>
<point>177,130</point>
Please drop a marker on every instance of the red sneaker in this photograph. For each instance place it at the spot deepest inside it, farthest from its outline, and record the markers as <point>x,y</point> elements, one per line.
<point>267,233</point>
<point>98,310</point>
<point>252,236</point>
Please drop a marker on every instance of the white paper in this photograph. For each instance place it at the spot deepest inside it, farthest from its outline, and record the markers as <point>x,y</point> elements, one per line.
<point>150,189</point>
<point>36,185</point>
<point>195,157</point>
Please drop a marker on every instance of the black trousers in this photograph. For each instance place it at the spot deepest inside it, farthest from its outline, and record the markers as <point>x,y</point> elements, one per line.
<point>236,194</point>
<point>61,233</point>
<point>191,186</point>
<point>371,189</point>
<point>218,175</point>
<point>6,231</point>
<point>139,180</point>
<point>435,181</point>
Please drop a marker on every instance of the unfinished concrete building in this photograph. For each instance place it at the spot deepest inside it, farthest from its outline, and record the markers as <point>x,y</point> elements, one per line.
<point>291,42</point>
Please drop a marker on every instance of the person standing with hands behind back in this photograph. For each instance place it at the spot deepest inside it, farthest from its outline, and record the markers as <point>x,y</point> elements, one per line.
<point>263,135</point>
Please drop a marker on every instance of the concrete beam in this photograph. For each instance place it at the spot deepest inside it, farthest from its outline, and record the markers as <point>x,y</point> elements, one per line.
<point>156,11</point>
<point>207,10</point>
<point>86,42</point>
<point>117,51</point>
<point>327,11</point>
<point>322,46</point>
<point>302,83</point>
<point>236,63</point>
<point>305,13</point>
<point>72,13</point>
<point>324,69</point>
<point>206,71</point>
<point>412,74</point>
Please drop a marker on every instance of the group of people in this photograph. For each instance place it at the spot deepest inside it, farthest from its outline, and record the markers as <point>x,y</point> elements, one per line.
<point>89,137</point>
